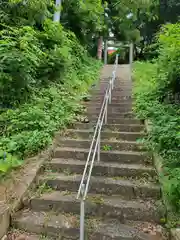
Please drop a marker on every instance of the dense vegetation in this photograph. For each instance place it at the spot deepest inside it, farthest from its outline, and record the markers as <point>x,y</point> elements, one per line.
<point>157,93</point>
<point>44,72</point>
<point>145,20</point>
<point>45,66</point>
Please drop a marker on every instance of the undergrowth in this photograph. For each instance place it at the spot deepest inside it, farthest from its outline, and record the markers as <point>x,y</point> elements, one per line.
<point>43,76</point>
<point>156,94</point>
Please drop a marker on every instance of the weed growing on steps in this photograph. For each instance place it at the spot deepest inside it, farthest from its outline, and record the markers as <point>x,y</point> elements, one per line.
<point>68,172</point>
<point>66,193</point>
<point>43,188</point>
<point>44,237</point>
<point>143,179</point>
<point>96,199</point>
<point>106,148</point>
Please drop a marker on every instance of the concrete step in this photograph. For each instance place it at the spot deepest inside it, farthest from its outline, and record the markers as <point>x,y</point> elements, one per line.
<point>113,156</point>
<point>114,100</point>
<point>101,90</point>
<point>102,168</point>
<point>121,120</point>
<point>111,105</point>
<point>127,121</point>
<point>111,110</point>
<point>17,234</point>
<point>95,114</point>
<point>112,127</point>
<point>119,98</point>
<point>66,226</point>
<point>118,84</point>
<point>121,92</point>
<point>120,95</point>
<point>115,92</point>
<point>111,135</point>
<point>129,189</point>
<point>106,145</point>
<point>97,206</point>
<point>120,104</point>
<point>116,120</point>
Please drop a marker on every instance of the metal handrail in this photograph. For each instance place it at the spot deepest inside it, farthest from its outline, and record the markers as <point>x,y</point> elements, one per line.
<point>94,149</point>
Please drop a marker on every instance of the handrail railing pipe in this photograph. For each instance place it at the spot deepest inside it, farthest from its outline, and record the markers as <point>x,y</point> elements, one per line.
<point>95,149</point>
<point>130,59</point>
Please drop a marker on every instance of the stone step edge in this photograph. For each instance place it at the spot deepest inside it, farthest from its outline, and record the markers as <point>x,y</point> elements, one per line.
<point>71,130</point>
<point>86,150</point>
<point>102,141</point>
<point>100,179</point>
<point>106,156</point>
<point>68,226</point>
<point>98,199</point>
<point>125,167</point>
<point>136,187</point>
<point>71,161</point>
<point>106,145</point>
<point>92,124</point>
<point>96,205</point>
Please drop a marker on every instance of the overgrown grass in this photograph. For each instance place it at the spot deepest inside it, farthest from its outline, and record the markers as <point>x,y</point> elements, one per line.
<point>157,93</point>
<point>44,72</point>
<point>164,137</point>
<point>30,127</point>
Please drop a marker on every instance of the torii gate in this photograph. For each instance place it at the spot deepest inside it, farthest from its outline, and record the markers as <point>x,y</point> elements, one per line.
<point>118,45</point>
<point>107,44</point>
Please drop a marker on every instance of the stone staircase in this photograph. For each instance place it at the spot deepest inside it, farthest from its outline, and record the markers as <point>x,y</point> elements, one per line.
<point>123,194</point>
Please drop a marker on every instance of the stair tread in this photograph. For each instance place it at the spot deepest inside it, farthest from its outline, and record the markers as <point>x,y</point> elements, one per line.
<point>22,235</point>
<point>109,152</point>
<point>98,179</point>
<point>110,228</point>
<point>114,200</point>
<point>102,141</point>
<point>103,130</point>
<point>104,164</point>
<point>113,124</point>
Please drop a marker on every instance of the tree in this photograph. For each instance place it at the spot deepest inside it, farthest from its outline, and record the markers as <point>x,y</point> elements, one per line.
<point>84,18</point>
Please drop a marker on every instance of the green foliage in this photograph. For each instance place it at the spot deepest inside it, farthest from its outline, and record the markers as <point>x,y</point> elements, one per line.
<point>8,161</point>
<point>20,12</point>
<point>153,82</point>
<point>84,18</point>
<point>169,60</point>
<point>150,51</point>
<point>31,126</point>
<point>44,72</point>
<point>127,17</point>
<point>20,56</point>
<point>164,136</point>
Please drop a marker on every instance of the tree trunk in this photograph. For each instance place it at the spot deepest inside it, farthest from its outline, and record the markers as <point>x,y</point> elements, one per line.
<point>100,45</point>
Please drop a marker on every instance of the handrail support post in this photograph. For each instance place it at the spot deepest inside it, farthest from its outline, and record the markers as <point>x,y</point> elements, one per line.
<point>110,90</point>
<point>82,213</point>
<point>106,106</point>
<point>99,148</point>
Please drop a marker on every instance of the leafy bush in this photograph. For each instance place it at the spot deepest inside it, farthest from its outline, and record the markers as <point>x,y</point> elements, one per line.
<point>20,56</point>
<point>164,136</point>
<point>43,75</point>
<point>30,127</point>
<point>151,51</point>
<point>156,87</point>
<point>169,60</point>
<point>32,59</point>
